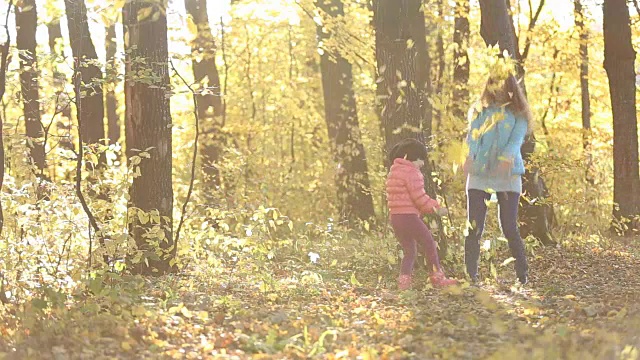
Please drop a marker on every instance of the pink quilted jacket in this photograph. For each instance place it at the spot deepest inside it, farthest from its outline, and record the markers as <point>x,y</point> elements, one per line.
<point>405,190</point>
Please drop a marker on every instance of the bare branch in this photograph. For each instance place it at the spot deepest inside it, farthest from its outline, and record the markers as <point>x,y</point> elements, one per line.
<point>533,19</point>
<point>92,220</point>
<point>194,156</point>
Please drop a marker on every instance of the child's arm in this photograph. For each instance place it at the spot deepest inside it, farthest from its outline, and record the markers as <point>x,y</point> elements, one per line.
<point>423,202</point>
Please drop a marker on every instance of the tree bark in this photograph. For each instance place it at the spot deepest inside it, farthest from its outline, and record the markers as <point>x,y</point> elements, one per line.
<point>442,64</point>
<point>4,63</point>
<point>404,84</point>
<point>209,96</point>
<point>497,28</point>
<point>148,131</point>
<point>461,59</point>
<point>59,79</point>
<point>584,87</point>
<point>56,47</point>
<point>355,201</point>
<point>113,120</point>
<point>92,110</point>
<point>26,23</point>
<point>403,69</point>
<point>619,59</point>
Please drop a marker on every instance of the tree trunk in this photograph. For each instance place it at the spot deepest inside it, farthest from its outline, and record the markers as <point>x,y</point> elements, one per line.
<point>355,201</point>
<point>497,28</point>
<point>148,132</point>
<point>584,87</point>
<point>404,83</point>
<point>442,64</point>
<point>5,48</point>
<point>461,60</point>
<point>403,70</point>
<point>92,109</point>
<point>619,59</point>
<point>26,23</point>
<point>63,107</point>
<point>209,97</point>
<point>113,120</point>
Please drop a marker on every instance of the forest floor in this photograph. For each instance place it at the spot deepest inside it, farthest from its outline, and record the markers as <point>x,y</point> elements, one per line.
<point>581,303</point>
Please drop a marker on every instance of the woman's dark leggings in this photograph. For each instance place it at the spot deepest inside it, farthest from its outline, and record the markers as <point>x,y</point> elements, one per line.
<point>412,233</point>
<point>477,211</point>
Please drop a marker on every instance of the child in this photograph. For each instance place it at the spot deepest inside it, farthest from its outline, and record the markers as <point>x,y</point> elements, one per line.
<point>495,165</point>
<point>407,201</point>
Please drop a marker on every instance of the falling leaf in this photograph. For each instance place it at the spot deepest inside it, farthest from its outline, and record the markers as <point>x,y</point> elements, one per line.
<point>144,13</point>
<point>354,280</point>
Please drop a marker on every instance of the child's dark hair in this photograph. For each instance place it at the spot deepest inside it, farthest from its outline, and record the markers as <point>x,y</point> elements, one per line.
<point>409,149</point>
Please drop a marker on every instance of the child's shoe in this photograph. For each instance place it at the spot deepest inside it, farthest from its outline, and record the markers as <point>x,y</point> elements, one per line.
<point>404,282</point>
<point>438,279</point>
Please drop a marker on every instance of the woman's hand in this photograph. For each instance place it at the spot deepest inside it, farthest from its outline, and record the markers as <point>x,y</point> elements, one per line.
<point>467,166</point>
<point>504,167</point>
<point>442,211</point>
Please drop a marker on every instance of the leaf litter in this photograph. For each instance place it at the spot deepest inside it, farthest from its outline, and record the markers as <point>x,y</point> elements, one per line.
<point>580,304</point>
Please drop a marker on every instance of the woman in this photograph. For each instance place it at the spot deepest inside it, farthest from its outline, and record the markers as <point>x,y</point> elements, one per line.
<point>495,165</point>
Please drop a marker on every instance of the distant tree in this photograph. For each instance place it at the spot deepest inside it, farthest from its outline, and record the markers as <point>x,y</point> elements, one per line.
<point>461,65</point>
<point>26,23</point>
<point>441,67</point>
<point>113,120</point>
<point>148,135</point>
<point>4,63</point>
<point>352,178</point>
<point>619,60</point>
<point>583,32</point>
<point>59,79</point>
<point>209,98</point>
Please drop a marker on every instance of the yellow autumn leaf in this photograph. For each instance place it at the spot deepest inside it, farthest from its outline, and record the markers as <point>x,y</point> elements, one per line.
<point>144,13</point>
<point>475,134</point>
<point>138,310</point>
<point>186,313</point>
<point>192,28</point>
<point>203,315</point>
<point>125,345</point>
<point>456,153</point>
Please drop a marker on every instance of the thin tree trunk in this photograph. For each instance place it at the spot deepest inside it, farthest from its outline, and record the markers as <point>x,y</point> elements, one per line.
<point>461,64</point>
<point>113,120</point>
<point>619,59</point>
<point>59,79</point>
<point>439,113</point>
<point>497,28</point>
<point>63,107</point>
<point>207,78</point>
<point>148,131</point>
<point>584,87</point>
<point>91,90</point>
<point>4,63</point>
<point>26,22</point>
<point>352,178</point>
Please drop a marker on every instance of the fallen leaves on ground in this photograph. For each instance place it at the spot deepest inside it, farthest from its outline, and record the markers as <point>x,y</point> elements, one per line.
<point>580,304</point>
